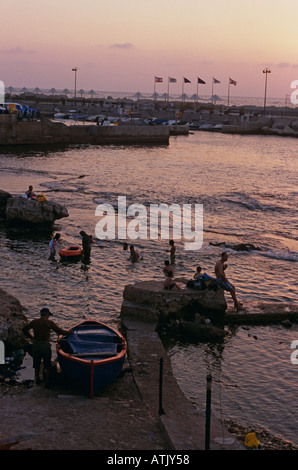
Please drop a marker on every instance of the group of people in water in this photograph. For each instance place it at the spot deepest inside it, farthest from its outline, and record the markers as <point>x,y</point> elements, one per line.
<point>168,269</point>
<point>87,241</point>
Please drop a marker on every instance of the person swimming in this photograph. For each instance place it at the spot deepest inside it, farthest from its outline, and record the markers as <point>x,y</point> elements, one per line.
<point>134,255</point>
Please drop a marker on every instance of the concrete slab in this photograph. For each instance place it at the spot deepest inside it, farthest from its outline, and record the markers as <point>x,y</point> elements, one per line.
<point>183,425</point>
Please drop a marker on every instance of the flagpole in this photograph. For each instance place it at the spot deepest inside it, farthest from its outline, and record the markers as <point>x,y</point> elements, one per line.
<point>168,87</point>
<point>229,92</point>
<point>212,90</point>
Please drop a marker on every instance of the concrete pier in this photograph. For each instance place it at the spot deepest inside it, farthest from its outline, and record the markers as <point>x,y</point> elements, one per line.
<point>183,424</point>
<point>47,131</point>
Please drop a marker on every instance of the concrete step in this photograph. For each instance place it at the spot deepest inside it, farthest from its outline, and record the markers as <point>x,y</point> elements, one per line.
<point>144,312</point>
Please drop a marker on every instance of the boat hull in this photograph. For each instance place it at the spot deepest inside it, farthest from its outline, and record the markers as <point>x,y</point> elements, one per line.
<point>94,367</point>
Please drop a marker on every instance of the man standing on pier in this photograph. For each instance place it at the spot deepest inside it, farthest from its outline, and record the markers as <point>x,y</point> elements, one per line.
<point>223,282</point>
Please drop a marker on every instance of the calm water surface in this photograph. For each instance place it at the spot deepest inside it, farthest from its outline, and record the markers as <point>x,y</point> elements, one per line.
<point>248,188</point>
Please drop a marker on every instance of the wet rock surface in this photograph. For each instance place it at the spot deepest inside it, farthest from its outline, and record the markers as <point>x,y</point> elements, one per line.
<point>12,321</point>
<point>34,212</point>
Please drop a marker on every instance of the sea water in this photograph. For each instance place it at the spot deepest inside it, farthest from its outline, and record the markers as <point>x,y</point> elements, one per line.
<point>248,188</point>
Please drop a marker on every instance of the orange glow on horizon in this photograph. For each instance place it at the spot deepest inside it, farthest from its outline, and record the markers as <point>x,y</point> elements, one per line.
<point>122,46</point>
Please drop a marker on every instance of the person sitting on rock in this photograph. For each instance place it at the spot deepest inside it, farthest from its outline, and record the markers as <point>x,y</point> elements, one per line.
<point>170,284</point>
<point>30,193</point>
<point>198,272</point>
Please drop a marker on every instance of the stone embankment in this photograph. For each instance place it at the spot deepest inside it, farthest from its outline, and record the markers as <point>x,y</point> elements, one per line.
<point>188,310</point>
<point>198,314</point>
<point>47,131</point>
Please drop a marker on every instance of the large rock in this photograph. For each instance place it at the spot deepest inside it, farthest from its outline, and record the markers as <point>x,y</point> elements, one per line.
<point>149,301</point>
<point>4,196</point>
<point>12,320</point>
<point>27,210</point>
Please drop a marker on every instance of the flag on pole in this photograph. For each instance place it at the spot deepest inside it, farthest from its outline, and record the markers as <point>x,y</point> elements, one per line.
<point>201,81</point>
<point>172,80</point>
<point>232,82</point>
<point>158,79</point>
<point>186,80</point>
<point>215,81</point>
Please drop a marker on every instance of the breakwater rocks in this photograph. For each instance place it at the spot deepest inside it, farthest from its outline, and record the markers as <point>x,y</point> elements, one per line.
<point>20,209</point>
<point>12,320</point>
<point>266,126</point>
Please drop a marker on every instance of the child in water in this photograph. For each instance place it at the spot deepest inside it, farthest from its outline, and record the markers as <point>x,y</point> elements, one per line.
<point>53,243</point>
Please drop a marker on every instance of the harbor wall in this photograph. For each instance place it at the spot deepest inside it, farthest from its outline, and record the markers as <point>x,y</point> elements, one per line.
<point>46,131</point>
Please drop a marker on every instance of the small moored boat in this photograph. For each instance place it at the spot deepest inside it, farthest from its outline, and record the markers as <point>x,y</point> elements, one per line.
<point>71,252</point>
<point>92,356</point>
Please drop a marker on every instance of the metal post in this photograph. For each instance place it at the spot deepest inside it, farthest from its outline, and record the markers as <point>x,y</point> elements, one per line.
<point>208,413</point>
<point>160,410</point>
<point>266,71</point>
<point>75,69</point>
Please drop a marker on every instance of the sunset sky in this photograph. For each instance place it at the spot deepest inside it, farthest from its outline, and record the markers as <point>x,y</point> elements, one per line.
<point>121,45</point>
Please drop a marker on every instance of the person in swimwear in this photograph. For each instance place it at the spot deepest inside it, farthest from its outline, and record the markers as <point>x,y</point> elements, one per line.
<point>169,283</point>
<point>223,282</point>
<point>30,193</point>
<point>167,267</point>
<point>134,255</point>
<point>198,272</point>
<point>172,251</point>
<point>53,243</point>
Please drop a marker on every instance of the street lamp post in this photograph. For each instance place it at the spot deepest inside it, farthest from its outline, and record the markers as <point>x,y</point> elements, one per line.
<point>266,71</point>
<point>75,69</point>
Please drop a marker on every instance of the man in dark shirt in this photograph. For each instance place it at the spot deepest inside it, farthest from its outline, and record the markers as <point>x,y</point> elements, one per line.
<point>87,241</point>
<point>41,350</point>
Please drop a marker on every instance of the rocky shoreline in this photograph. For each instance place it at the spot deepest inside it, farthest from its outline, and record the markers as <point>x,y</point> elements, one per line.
<point>268,441</point>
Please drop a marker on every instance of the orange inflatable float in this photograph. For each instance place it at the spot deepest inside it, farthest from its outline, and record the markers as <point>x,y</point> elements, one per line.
<point>71,251</point>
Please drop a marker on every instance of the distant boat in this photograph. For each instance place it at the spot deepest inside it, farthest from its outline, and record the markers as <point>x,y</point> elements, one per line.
<point>92,356</point>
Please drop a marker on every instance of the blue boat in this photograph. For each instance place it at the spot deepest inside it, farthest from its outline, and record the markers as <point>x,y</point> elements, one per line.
<point>92,356</point>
